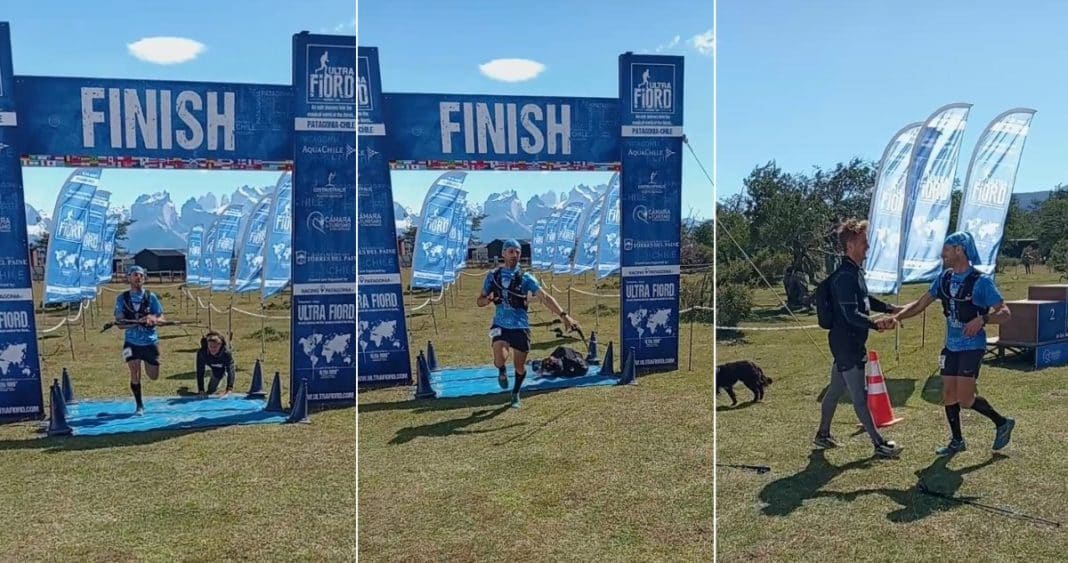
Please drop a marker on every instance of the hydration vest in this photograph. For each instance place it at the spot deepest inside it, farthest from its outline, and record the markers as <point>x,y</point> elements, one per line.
<point>966,308</point>
<point>142,311</point>
<point>515,297</point>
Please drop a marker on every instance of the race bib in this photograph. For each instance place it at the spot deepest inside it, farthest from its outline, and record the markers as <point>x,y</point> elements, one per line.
<point>942,361</point>
<point>127,353</point>
<point>495,332</point>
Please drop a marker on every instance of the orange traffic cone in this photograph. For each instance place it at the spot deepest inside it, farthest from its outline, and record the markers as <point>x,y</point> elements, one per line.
<point>882,413</point>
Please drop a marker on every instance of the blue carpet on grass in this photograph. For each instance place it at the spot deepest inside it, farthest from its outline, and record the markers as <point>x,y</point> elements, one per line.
<point>482,380</point>
<point>98,417</point>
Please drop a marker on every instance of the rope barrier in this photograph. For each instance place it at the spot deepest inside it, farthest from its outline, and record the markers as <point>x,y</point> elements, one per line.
<point>258,316</point>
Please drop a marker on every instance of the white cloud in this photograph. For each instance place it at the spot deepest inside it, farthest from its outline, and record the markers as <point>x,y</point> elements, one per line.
<point>511,70</point>
<point>705,43</point>
<point>669,45</point>
<point>345,26</point>
<point>166,50</point>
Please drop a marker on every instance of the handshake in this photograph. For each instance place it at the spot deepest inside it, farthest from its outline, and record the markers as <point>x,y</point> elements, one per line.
<point>886,323</point>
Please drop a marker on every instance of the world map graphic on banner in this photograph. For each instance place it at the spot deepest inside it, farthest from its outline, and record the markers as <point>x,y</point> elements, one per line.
<point>656,322</point>
<point>13,355</point>
<point>380,333</point>
<point>332,348</point>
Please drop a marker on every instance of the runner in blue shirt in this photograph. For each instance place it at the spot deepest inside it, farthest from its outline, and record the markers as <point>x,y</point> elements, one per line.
<point>510,288</point>
<point>970,301</point>
<point>141,343</point>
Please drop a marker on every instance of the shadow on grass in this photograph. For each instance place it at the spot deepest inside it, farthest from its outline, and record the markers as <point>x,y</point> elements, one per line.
<point>452,427</point>
<point>914,504</point>
<point>783,496</point>
<point>899,390</point>
<point>81,443</point>
<point>184,375</point>
<point>739,406</point>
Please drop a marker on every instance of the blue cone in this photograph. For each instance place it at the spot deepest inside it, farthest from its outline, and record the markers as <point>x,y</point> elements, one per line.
<point>274,403</point>
<point>629,377</point>
<point>68,389</point>
<point>57,423</point>
<point>255,391</point>
<point>608,367</point>
<point>299,409</point>
<point>591,356</point>
<point>423,389</point>
<point>431,357</point>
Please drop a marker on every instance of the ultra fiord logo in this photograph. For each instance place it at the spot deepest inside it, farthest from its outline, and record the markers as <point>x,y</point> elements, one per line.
<point>331,74</point>
<point>652,88</point>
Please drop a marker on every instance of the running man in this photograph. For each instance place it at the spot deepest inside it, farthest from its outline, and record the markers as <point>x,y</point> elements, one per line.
<point>510,289</point>
<point>848,338</point>
<point>970,301</point>
<point>140,310</point>
<point>215,354</point>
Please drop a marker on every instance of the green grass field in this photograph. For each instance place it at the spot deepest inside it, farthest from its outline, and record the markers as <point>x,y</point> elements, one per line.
<point>593,474</point>
<point>842,505</point>
<point>259,492</point>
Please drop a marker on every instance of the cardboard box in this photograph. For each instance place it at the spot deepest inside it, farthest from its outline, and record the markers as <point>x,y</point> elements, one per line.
<point>1050,292</point>
<point>1035,321</point>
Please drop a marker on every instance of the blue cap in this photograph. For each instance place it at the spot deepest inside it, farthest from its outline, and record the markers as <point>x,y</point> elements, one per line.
<point>136,270</point>
<point>511,243</point>
<point>965,240</point>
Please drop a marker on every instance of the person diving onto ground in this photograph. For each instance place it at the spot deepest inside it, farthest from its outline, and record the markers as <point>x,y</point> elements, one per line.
<point>510,288</point>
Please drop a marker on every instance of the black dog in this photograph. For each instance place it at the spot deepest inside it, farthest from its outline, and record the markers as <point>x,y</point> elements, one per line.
<point>746,372</point>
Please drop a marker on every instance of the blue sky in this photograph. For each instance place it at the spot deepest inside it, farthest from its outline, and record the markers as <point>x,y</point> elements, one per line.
<point>815,83</point>
<point>242,41</point>
<point>439,47</point>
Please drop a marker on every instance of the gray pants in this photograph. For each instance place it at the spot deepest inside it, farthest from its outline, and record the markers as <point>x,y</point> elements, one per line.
<point>853,380</point>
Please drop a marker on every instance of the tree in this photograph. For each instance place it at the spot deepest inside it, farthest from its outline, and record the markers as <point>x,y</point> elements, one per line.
<point>121,232</point>
<point>477,217</point>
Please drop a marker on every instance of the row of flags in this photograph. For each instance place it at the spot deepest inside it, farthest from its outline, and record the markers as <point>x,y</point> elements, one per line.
<point>263,247</point>
<point>82,242</point>
<point>581,236</point>
<point>910,209</point>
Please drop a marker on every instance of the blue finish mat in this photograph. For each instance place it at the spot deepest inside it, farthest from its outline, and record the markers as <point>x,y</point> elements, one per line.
<point>482,380</point>
<point>98,417</point>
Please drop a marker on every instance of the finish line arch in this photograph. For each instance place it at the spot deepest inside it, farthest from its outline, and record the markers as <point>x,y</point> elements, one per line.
<point>639,133</point>
<point>308,127</point>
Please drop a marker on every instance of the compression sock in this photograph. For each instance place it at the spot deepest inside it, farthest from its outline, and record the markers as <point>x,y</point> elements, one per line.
<point>518,381</point>
<point>136,388</point>
<point>953,416</point>
<point>981,406</point>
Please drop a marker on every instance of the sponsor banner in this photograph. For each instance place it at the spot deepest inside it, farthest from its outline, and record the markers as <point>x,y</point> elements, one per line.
<point>277,250</point>
<point>20,368</point>
<point>650,318</point>
<point>650,208</point>
<point>222,251</point>
<point>382,333</point>
<point>249,275</point>
<point>92,251</point>
<point>928,193</point>
<point>990,180</point>
<point>608,243</point>
<point>887,205</point>
<point>439,213</point>
<point>70,224</point>
<point>162,120</point>
<point>324,215</point>
<point>531,129</point>
<point>194,255</point>
<point>566,231</point>
<point>104,265</point>
<point>537,244</point>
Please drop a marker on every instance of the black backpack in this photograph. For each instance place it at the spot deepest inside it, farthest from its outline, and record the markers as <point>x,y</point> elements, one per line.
<point>570,363</point>
<point>825,303</point>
